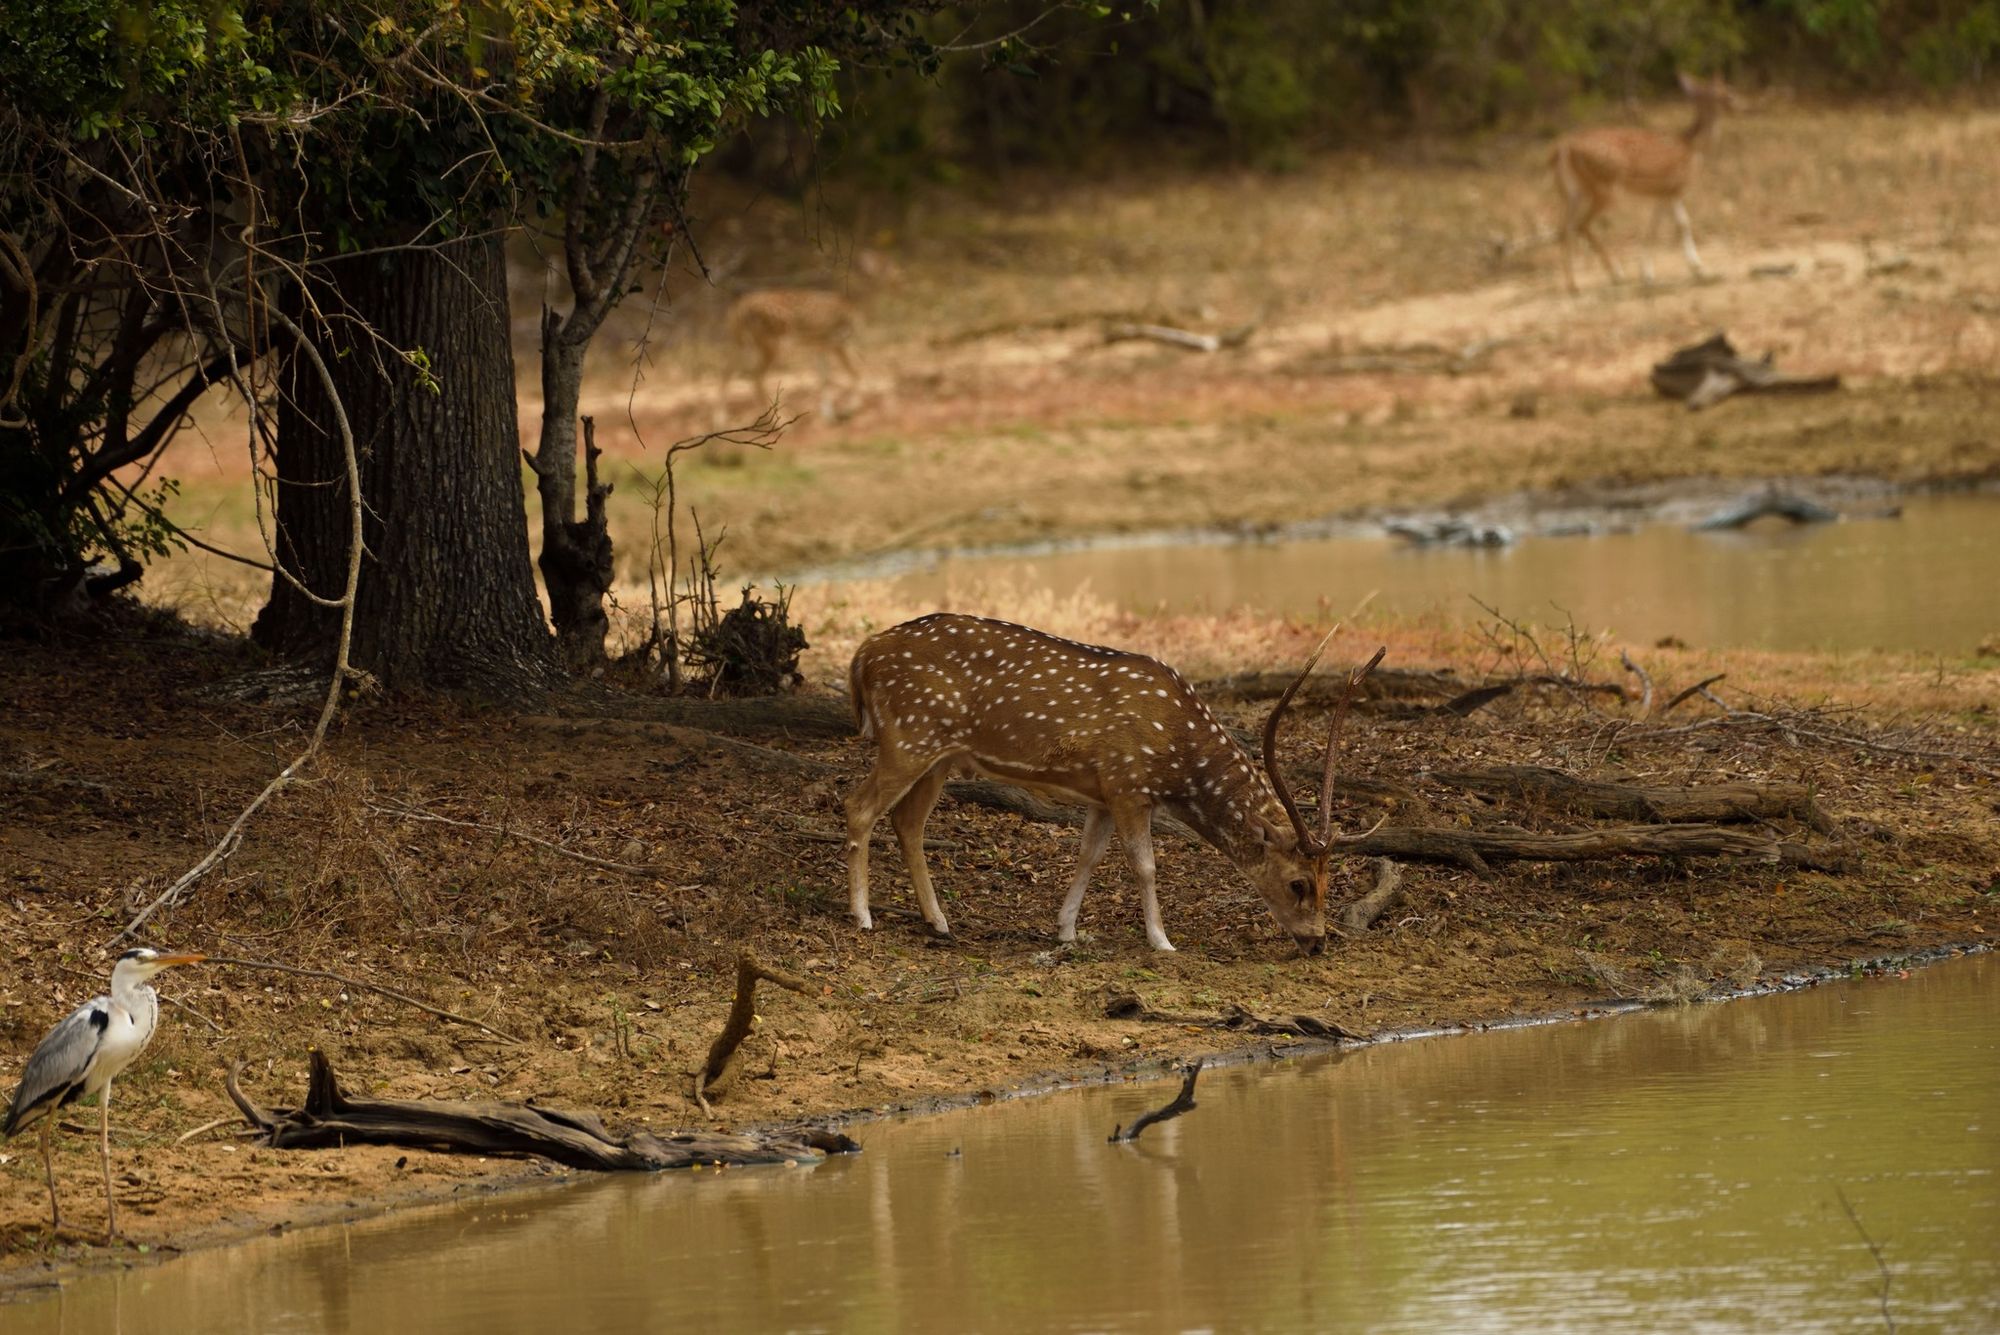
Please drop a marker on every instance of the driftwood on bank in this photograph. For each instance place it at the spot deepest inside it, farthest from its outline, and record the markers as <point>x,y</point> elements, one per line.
<point>1183,1102</point>
<point>1767,504</point>
<point>725,1059</point>
<point>329,1118</point>
<point>1130,1006</point>
<point>1125,330</point>
<point>1711,371</point>
<point>1477,850</point>
<point>1359,916</point>
<point>1712,803</point>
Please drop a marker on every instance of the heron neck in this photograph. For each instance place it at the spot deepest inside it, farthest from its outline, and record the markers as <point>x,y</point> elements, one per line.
<point>130,990</point>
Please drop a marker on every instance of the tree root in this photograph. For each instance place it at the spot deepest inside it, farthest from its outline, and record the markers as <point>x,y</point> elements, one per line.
<point>1359,916</point>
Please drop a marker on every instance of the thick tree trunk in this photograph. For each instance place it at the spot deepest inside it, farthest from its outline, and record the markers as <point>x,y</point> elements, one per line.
<point>417,343</point>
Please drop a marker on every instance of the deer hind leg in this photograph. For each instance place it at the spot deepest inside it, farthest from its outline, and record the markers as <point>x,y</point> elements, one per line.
<point>1096,838</point>
<point>767,357</point>
<point>1593,212</point>
<point>908,817</point>
<point>1681,219</point>
<point>885,786</point>
<point>1570,206</point>
<point>1135,831</point>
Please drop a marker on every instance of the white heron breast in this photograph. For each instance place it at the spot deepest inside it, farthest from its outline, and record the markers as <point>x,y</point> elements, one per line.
<point>126,1034</point>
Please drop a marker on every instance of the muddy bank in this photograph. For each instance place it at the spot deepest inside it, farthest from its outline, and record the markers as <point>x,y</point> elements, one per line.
<point>120,764</point>
<point>117,768</point>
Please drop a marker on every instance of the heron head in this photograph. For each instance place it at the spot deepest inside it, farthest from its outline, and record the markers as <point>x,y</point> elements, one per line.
<point>143,962</point>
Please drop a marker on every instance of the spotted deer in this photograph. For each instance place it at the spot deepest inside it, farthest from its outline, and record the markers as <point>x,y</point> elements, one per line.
<point>1591,165</point>
<point>760,325</point>
<point>1123,733</point>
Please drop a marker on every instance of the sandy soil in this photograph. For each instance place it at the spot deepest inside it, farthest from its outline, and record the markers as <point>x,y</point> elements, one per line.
<point>121,763</point>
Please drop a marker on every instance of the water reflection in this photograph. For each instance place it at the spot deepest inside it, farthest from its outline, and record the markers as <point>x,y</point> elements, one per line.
<point>1923,581</point>
<point>1666,1170</point>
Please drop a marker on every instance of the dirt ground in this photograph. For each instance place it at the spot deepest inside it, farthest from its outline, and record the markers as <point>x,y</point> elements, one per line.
<point>990,410</point>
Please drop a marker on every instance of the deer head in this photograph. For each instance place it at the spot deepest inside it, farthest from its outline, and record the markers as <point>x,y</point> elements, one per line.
<point>1292,877</point>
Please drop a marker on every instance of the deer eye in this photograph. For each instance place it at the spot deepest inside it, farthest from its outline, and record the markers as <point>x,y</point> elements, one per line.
<point>1302,889</point>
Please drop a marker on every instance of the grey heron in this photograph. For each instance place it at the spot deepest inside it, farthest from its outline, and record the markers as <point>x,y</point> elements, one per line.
<point>82,1056</point>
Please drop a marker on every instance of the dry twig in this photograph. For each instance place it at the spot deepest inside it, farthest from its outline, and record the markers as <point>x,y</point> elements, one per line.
<point>724,1059</point>
<point>487,827</point>
<point>376,988</point>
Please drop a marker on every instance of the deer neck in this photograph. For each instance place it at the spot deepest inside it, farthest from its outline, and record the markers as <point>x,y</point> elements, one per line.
<point>1702,129</point>
<point>1224,818</point>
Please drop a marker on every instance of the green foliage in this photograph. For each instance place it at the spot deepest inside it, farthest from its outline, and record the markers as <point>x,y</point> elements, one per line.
<point>1261,80</point>
<point>173,168</point>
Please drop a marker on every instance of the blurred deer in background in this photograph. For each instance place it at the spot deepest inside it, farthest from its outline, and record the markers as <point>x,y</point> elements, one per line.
<point>1590,165</point>
<point>759,325</point>
<point>1118,731</point>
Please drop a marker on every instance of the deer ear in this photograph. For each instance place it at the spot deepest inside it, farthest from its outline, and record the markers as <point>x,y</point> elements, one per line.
<point>1272,836</point>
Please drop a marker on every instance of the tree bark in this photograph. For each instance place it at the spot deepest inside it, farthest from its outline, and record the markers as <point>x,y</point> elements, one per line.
<point>417,341</point>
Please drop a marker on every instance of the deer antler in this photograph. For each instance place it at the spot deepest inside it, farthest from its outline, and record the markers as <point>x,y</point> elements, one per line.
<point>1354,680</point>
<point>1271,743</point>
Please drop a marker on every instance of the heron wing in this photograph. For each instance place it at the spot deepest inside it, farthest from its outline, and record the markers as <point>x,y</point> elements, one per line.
<point>55,1073</point>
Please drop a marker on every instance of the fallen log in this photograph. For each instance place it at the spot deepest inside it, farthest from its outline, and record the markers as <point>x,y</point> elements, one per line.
<point>1130,1006</point>
<point>329,1118</point>
<point>1712,804</point>
<point>1183,1102</point>
<point>695,741</point>
<point>1399,694</point>
<point>1771,503</point>
<point>1477,850</point>
<point>1710,371</point>
<point>1124,330</point>
<point>1382,684</point>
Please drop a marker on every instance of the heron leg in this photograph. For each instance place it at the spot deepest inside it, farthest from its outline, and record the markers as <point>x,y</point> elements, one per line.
<point>49,1171</point>
<point>104,1145</point>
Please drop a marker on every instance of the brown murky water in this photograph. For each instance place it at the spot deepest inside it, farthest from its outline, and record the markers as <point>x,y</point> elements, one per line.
<point>1926,581</point>
<point>1666,1170</point>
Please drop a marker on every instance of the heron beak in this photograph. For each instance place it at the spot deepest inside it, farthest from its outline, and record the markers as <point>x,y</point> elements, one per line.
<point>164,960</point>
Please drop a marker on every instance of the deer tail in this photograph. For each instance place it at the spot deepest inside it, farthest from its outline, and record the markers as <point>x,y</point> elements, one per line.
<point>857,693</point>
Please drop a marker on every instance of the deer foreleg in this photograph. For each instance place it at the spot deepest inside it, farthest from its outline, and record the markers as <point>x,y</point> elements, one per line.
<point>1135,831</point>
<point>1096,838</point>
<point>908,816</point>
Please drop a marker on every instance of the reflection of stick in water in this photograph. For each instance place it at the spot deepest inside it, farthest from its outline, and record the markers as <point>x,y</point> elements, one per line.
<point>1874,1251</point>
<point>1183,1102</point>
